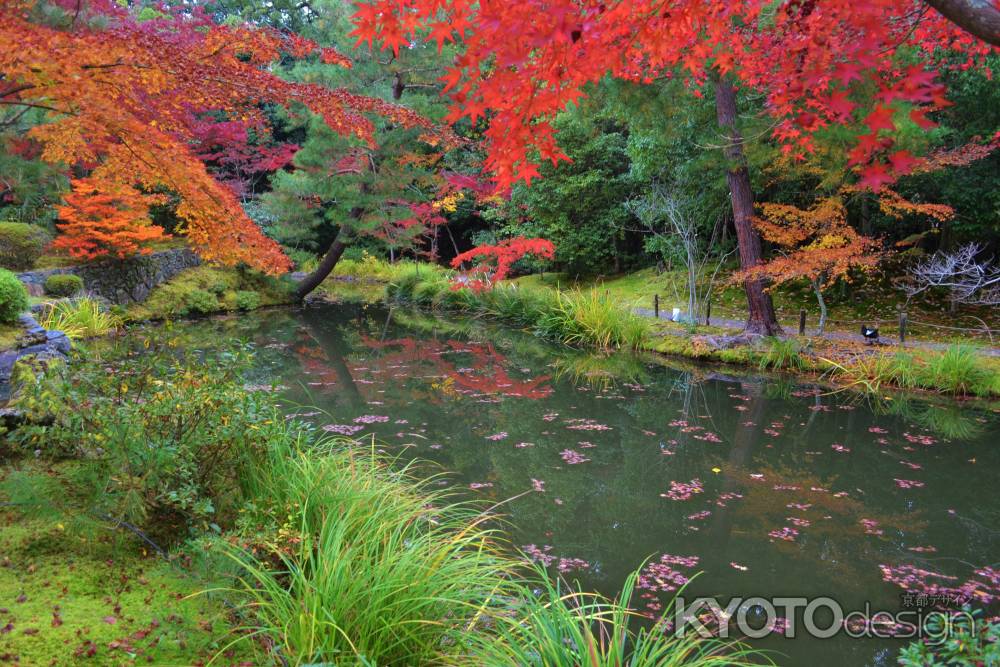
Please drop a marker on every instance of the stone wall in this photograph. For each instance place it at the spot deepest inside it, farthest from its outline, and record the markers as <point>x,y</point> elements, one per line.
<point>121,281</point>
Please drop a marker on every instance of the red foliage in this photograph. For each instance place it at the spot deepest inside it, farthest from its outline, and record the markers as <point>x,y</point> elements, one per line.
<point>526,60</point>
<point>500,258</point>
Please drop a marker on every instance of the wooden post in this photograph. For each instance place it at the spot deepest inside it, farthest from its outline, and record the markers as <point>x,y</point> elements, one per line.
<point>802,321</point>
<point>902,327</point>
<point>708,312</point>
<point>656,305</point>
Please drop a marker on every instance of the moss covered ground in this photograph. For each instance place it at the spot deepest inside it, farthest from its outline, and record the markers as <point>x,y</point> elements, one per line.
<point>66,599</point>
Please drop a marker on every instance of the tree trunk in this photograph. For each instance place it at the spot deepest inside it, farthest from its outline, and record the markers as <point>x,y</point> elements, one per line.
<point>818,289</point>
<point>330,259</point>
<point>979,17</point>
<point>761,318</point>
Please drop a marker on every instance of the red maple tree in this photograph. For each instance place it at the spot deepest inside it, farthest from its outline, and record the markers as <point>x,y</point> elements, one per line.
<point>816,63</point>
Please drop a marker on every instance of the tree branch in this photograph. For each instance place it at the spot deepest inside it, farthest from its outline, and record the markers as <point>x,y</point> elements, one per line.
<point>977,17</point>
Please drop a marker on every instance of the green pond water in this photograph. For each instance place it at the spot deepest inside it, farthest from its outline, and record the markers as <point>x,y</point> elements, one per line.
<point>765,487</point>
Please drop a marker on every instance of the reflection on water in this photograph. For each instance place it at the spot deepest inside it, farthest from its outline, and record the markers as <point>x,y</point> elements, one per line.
<point>765,487</point>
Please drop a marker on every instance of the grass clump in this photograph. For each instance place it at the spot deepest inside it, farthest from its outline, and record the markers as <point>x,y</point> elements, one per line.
<point>570,629</point>
<point>381,569</point>
<point>959,370</point>
<point>593,318</point>
<point>782,353</point>
<point>81,318</point>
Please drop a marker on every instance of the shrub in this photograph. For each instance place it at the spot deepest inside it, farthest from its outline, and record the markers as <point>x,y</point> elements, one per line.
<point>246,300</point>
<point>13,297</point>
<point>21,245</point>
<point>63,284</point>
<point>966,640</point>
<point>158,442</point>
<point>200,302</point>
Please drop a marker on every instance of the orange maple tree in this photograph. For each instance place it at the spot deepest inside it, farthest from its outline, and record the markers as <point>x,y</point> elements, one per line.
<point>103,219</point>
<point>123,98</point>
<point>816,244</point>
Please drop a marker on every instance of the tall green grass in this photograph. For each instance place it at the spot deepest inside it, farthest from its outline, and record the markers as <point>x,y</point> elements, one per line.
<point>959,370</point>
<point>79,318</point>
<point>554,628</point>
<point>782,353</point>
<point>591,318</point>
<point>374,568</point>
<point>366,565</point>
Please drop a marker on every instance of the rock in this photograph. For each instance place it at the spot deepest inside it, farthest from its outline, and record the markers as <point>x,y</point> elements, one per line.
<point>11,418</point>
<point>59,341</point>
<point>45,346</point>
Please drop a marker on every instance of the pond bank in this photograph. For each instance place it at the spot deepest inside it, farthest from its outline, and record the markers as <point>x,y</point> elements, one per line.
<point>597,319</point>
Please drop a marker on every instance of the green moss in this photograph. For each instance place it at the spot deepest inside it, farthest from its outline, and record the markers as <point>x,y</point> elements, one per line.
<point>70,601</point>
<point>8,335</point>
<point>208,289</point>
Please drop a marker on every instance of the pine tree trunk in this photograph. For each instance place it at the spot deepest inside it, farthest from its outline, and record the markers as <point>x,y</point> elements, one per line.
<point>330,259</point>
<point>761,318</point>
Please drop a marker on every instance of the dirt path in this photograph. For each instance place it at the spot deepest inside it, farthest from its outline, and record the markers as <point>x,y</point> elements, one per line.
<point>886,341</point>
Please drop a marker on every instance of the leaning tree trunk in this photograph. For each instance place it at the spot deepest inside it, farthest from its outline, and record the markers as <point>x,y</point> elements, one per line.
<point>761,318</point>
<point>330,259</point>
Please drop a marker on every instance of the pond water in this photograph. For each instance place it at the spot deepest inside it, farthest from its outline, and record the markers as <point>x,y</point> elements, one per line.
<point>766,487</point>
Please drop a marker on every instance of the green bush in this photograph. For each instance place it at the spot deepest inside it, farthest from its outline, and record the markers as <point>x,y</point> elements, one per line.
<point>247,300</point>
<point>157,440</point>
<point>21,245</point>
<point>13,297</point>
<point>63,284</point>
<point>964,640</point>
<point>200,302</point>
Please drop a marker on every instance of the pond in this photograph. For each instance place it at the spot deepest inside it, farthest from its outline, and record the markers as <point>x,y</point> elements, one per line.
<point>766,487</point>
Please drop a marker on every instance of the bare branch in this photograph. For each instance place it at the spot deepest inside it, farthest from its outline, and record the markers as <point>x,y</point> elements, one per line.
<point>968,279</point>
